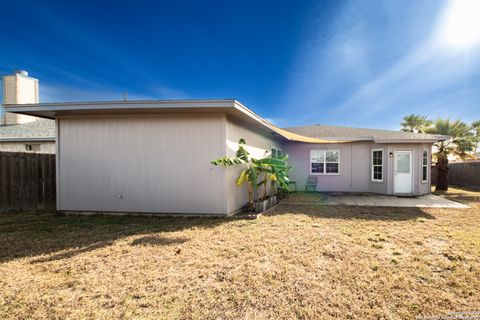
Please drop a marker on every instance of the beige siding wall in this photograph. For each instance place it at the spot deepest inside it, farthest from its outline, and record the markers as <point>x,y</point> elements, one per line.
<point>356,167</point>
<point>259,146</point>
<point>353,171</point>
<point>45,147</point>
<point>141,164</point>
<point>419,187</point>
<point>161,163</point>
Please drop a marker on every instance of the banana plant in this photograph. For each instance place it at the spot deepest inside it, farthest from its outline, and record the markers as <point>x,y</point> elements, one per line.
<point>249,174</point>
<point>273,169</point>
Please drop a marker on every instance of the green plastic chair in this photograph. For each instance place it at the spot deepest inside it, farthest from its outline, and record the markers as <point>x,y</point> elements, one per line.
<point>311,183</point>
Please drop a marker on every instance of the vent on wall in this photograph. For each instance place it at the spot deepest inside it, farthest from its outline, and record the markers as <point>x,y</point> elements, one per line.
<point>32,147</point>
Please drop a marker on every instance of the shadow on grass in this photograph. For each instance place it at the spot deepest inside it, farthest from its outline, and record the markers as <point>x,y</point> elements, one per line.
<point>31,234</point>
<point>466,195</point>
<point>71,253</point>
<point>157,241</point>
<point>353,212</point>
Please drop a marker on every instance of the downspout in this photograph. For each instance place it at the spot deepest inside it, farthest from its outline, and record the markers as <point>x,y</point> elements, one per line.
<point>351,165</point>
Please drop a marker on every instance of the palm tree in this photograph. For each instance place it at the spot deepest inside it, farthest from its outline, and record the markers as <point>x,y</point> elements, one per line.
<point>460,143</point>
<point>476,127</point>
<point>415,123</point>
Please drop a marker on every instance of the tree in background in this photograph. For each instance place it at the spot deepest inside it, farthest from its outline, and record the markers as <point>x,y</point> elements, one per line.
<point>476,127</point>
<point>462,142</point>
<point>415,123</point>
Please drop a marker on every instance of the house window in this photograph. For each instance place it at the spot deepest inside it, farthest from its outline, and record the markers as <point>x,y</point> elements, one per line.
<point>32,147</point>
<point>377,165</point>
<point>425,166</point>
<point>324,161</point>
<point>276,153</point>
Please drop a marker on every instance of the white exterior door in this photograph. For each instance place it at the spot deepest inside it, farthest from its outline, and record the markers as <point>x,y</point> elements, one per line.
<point>403,175</point>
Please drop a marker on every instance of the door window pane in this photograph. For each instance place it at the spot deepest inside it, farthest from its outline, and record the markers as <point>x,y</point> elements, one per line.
<point>403,163</point>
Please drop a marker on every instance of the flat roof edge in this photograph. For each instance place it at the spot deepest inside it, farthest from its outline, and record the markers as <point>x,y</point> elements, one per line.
<point>27,139</point>
<point>408,140</point>
<point>121,102</point>
<point>49,110</point>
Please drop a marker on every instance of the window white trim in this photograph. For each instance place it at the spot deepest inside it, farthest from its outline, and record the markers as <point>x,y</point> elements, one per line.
<point>426,165</point>
<point>377,165</point>
<point>324,173</point>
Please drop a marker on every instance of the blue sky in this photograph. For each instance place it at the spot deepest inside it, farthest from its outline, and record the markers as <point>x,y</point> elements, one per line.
<point>354,63</point>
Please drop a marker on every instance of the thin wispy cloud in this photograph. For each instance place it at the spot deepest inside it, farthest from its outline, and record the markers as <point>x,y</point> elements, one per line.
<point>358,63</point>
<point>62,93</point>
<point>394,80</point>
<point>163,92</point>
<point>93,66</point>
<point>73,78</point>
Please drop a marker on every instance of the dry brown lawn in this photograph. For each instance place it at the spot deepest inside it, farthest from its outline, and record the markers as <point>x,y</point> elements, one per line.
<point>297,262</point>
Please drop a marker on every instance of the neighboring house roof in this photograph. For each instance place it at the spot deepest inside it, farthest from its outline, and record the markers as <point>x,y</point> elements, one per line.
<point>359,134</point>
<point>38,130</point>
<point>229,106</point>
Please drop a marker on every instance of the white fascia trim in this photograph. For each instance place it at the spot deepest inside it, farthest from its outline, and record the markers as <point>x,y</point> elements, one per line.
<point>26,139</point>
<point>107,105</point>
<point>242,108</point>
<point>408,141</point>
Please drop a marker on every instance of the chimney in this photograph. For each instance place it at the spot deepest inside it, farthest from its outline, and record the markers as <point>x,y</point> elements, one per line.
<point>18,88</point>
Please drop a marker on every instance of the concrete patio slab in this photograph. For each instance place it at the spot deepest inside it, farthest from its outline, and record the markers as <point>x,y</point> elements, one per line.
<point>372,200</point>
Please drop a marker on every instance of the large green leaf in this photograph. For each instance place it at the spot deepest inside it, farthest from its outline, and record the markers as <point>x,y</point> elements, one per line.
<point>271,162</point>
<point>242,178</point>
<point>252,176</point>
<point>242,153</point>
<point>227,161</point>
<point>462,137</point>
<point>270,169</point>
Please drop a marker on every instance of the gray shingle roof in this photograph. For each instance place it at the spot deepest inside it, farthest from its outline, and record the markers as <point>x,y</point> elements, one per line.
<point>41,129</point>
<point>337,132</point>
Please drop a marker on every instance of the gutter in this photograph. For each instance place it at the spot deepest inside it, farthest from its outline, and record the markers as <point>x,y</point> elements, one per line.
<point>428,140</point>
<point>27,139</point>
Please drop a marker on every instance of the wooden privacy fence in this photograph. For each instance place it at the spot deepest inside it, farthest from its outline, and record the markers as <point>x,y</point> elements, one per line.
<point>464,174</point>
<point>27,181</point>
